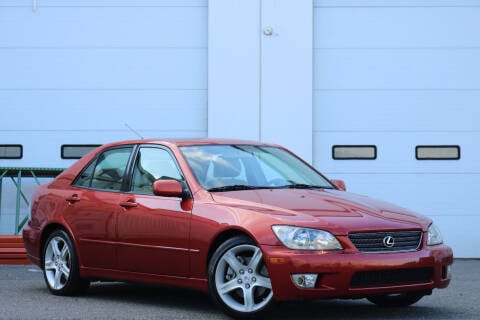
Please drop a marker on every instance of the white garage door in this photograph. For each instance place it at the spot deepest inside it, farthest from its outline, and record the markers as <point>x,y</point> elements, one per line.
<point>77,71</point>
<point>393,76</point>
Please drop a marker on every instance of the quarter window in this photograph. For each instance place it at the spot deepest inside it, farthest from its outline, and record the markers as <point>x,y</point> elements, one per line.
<point>84,179</point>
<point>107,172</point>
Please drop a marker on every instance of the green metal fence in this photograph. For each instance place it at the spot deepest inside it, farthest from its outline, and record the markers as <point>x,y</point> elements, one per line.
<point>17,175</point>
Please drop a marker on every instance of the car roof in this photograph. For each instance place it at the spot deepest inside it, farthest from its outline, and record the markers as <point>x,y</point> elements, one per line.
<point>190,142</point>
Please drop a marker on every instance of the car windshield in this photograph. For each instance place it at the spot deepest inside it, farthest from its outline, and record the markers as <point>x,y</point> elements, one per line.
<point>244,167</point>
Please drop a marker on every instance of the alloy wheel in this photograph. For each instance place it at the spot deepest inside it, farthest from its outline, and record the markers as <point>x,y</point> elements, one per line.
<point>241,279</point>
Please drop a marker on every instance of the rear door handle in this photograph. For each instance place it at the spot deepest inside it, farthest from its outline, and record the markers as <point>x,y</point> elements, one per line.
<point>128,204</point>
<point>73,198</point>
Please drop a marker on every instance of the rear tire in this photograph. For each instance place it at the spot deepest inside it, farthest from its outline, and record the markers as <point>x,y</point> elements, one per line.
<point>60,266</point>
<point>396,300</point>
<point>238,278</point>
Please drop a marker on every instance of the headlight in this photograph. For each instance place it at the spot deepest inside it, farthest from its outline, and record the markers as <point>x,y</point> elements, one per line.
<point>434,235</point>
<point>299,238</point>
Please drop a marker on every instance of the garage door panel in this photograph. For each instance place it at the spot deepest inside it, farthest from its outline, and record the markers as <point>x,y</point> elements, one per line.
<point>104,27</point>
<point>105,109</point>
<point>358,110</point>
<point>44,150</point>
<point>101,3</point>
<point>383,69</point>
<point>395,3</point>
<point>383,27</point>
<point>116,99</point>
<point>103,68</point>
<point>110,114</point>
<point>396,152</point>
<point>429,194</point>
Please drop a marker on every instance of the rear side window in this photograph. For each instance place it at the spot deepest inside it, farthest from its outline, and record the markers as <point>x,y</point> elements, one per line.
<point>107,172</point>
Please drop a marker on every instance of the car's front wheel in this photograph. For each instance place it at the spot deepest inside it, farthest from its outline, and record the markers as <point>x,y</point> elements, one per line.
<point>238,278</point>
<point>397,299</point>
<point>60,265</point>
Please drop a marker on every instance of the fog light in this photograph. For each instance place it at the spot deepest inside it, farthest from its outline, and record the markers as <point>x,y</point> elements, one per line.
<point>449,272</point>
<point>305,280</point>
<point>446,272</point>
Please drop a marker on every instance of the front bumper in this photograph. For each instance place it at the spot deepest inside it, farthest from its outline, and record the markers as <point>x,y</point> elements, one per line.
<point>336,270</point>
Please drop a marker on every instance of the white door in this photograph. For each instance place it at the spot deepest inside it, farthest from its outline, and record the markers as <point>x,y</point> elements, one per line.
<point>398,75</point>
<point>77,71</point>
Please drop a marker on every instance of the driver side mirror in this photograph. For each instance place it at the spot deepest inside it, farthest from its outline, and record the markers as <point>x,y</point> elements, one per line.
<point>339,184</point>
<point>167,188</point>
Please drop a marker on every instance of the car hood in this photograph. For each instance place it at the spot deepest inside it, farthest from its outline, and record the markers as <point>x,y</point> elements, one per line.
<point>336,211</point>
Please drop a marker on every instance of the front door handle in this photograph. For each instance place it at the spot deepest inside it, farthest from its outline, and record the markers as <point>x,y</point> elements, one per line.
<point>73,198</point>
<point>128,204</point>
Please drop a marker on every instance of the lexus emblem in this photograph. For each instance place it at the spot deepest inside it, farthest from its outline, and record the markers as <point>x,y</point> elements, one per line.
<point>388,241</point>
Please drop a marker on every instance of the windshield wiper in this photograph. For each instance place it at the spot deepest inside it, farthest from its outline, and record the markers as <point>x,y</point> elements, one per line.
<point>302,186</point>
<point>235,188</point>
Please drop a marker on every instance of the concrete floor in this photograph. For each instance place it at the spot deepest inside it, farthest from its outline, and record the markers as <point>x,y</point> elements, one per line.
<point>23,295</point>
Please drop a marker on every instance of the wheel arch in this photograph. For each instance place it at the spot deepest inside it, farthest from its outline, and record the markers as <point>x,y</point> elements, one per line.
<point>47,231</point>
<point>222,237</point>
<point>225,241</point>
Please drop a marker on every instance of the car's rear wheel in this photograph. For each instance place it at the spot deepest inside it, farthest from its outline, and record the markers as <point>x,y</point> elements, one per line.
<point>60,265</point>
<point>238,278</point>
<point>397,299</point>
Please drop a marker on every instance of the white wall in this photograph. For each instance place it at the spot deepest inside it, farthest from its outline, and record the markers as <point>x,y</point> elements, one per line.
<point>260,85</point>
<point>234,69</point>
<point>287,75</point>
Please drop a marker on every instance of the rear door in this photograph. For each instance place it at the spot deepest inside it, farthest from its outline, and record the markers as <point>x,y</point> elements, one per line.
<point>93,205</point>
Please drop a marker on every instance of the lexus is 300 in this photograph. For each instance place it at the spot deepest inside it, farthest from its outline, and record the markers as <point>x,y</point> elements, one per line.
<point>249,223</point>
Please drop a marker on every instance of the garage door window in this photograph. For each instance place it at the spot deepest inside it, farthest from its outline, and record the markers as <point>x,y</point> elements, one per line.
<point>354,152</point>
<point>437,152</point>
<point>11,151</point>
<point>76,151</point>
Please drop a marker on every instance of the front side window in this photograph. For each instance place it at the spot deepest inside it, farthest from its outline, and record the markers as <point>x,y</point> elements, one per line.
<point>237,167</point>
<point>107,172</point>
<point>153,164</point>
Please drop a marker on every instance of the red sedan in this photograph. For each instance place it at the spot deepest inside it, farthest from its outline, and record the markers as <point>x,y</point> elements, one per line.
<point>248,222</point>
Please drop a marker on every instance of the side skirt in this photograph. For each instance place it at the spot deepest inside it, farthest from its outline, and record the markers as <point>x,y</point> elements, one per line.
<point>128,276</point>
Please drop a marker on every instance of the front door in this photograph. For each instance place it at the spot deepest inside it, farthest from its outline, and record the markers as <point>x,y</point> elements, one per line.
<point>153,230</point>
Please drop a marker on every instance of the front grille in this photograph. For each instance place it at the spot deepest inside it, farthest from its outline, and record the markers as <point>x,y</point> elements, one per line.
<point>391,277</point>
<point>375,241</point>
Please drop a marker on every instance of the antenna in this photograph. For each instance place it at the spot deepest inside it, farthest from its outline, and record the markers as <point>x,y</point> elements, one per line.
<point>131,129</point>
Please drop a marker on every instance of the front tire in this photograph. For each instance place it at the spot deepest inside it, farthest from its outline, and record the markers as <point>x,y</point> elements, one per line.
<point>238,278</point>
<point>60,266</point>
<point>396,300</point>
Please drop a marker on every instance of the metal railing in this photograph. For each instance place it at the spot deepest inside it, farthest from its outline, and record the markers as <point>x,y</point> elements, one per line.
<point>17,175</point>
